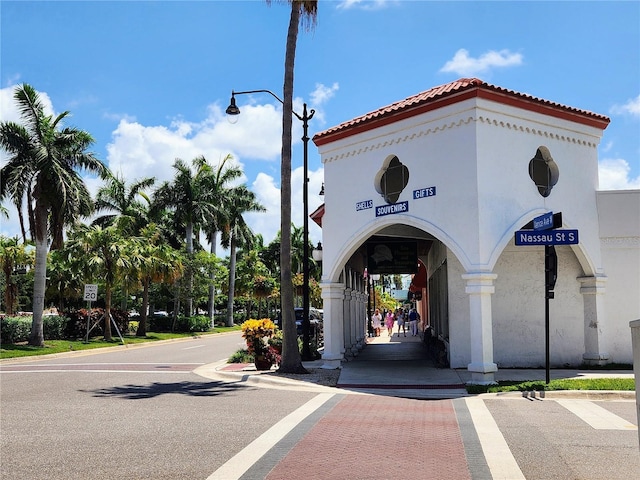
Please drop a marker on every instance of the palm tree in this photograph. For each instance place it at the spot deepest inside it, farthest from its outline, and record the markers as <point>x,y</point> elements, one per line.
<point>191,202</point>
<point>123,204</point>
<point>43,163</point>
<point>64,275</point>
<point>297,249</point>
<point>155,262</point>
<point>104,252</point>
<point>237,233</point>
<point>291,361</point>
<point>218,185</point>
<point>13,256</point>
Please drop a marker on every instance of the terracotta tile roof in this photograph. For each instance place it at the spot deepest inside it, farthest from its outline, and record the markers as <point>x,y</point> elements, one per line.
<point>454,92</point>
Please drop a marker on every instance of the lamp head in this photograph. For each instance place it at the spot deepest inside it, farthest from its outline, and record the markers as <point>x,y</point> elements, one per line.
<point>232,110</point>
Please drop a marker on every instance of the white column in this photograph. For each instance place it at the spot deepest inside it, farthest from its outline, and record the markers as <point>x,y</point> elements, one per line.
<point>333,303</point>
<point>348,300</point>
<point>357,322</point>
<point>480,288</point>
<point>635,344</point>
<point>592,290</point>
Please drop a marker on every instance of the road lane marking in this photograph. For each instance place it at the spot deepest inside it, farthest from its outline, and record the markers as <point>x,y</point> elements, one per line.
<point>596,416</point>
<point>191,348</point>
<point>101,368</point>
<point>501,462</point>
<point>236,466</point>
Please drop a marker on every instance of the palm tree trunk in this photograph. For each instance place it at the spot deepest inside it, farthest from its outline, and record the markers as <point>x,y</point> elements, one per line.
<point>36,338</point>
<point>232,280</point>
<point>107,313</point>
<point>213,238</point>
<point>142,325</point>
<point>190,269</point>
<point>291,361</point>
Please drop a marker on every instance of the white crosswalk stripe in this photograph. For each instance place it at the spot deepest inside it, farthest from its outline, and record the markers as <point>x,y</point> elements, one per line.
<point>500,460</point>
<point>596,416</point>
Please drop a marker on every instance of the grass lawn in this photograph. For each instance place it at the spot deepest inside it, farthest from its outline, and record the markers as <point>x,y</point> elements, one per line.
<point>59,346</point>
<point>625,384</point>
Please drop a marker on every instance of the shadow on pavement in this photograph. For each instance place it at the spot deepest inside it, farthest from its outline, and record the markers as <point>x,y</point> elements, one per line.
<point>155,389</point>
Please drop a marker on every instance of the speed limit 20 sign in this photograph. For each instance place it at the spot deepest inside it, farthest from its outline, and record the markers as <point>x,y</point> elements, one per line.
<point>91,292</point>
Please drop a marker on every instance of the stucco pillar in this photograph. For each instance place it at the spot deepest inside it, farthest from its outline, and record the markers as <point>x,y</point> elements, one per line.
<point>480,288</point>
<point>333,302</point>
<point>348,300</point>
<point>635,345</point>
<point>592,290</point>
<point>353,321</point>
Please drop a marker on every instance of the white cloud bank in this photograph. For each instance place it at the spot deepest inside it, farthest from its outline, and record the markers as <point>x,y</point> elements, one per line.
<point>614,175</point>
<point>632,107</point>
<point>467,66</point>
<point>137,151</point>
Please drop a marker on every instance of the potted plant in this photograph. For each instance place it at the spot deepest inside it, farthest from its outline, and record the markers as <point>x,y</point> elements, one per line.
<point>256,333</point>
<point>276,341</point>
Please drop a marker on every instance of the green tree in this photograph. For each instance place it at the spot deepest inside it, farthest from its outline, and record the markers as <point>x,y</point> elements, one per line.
<point>13,257</point>
<point>192,204</point>
<point>237,233</point>
<point>219,188</point>
<point>126,206</point>
<point>305,10</point>
<point>154,261</point>
<point>65,276</point>
<point>43,165</point>
<point>105,254</point>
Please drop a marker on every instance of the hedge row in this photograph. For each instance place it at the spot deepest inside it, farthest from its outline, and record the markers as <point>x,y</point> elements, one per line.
<point>74,325</point>
<point>18,329</point>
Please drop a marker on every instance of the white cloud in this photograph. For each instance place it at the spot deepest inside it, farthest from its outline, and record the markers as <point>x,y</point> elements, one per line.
<point>321,95</point>
<point>614,175</point>
<point>365,4</point>
<point>632,107</point>
<point>463,64</point>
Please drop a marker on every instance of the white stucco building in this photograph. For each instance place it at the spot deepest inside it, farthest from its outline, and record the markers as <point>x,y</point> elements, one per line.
<point>451,171</point>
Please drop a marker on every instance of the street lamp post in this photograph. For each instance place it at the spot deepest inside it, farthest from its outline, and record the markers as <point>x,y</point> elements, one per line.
<point>232,109</point>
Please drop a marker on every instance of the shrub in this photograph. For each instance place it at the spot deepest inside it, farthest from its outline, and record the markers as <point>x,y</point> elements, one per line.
<point>54,327</point>
<point>76,326</point>
<point>199,323</point>
<point>241,356</point>
<point>160,323</point>
<point>14,329</point>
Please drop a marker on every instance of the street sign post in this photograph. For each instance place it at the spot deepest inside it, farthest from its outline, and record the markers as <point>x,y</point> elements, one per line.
<point>545,230</point>
<point>550,237</point>
<point>90,295</point>
<point>90,292</point>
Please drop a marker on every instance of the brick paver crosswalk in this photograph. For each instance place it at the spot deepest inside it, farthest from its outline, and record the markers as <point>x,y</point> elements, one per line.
<point>373,437</point>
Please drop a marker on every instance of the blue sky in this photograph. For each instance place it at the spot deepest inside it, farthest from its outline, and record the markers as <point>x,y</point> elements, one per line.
<point>150,80</point>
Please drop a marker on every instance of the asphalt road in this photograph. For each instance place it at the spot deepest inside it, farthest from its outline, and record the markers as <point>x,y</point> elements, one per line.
<point>130,413</point>
<point>141,413</point>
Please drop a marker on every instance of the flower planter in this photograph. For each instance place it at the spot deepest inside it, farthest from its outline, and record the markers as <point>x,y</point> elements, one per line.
<point>262,363</point>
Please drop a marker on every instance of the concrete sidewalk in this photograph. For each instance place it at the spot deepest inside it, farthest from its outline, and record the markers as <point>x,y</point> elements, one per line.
<point>400,366</point>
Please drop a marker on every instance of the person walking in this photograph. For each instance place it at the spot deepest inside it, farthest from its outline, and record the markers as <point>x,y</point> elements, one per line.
<point>376,321</point>
<point>389,322</point>
<point>414,316</point>
<point>400,320</point>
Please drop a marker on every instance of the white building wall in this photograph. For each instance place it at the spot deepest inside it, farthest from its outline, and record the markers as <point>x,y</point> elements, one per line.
<point>619,220</point>
<point>507,140</point>
<point>476,153</point>
<point>459,314</point>
<point>519,309</point>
